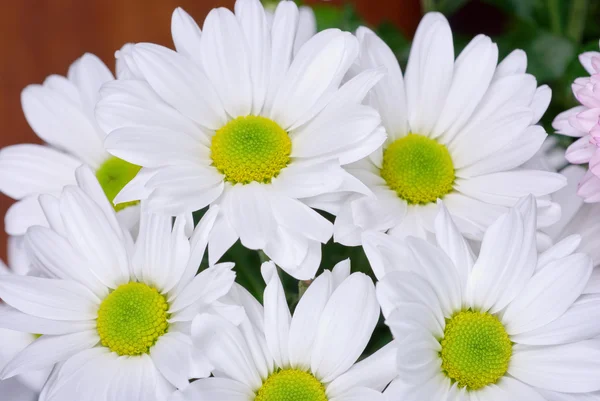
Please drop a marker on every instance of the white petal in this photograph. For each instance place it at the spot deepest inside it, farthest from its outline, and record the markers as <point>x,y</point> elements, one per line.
<point>222,237</point>
<point>385,253</point>
<point>473,73</point>
<point>226,349</point>
<point>13,319</point>
<point>508,388</point>
<point>208,286</point>
<point>161,253</point>
<point>315,73</point>
<point>388,96</point>
<point>299,218</point>
<point>499,276</point>
<point>277,315</point>
<point>31,169</point>
<point>511,156</point>
<point>506,187</point>
<point>513,64</point>
<point>24,214</point>
<point>198,242</point>
<point>345,328</point>
<point>548,294</point>
<point>186,34</point>
<point>572,368</point>
<point>398,288</point>
<point>49,298</point>
<point>249,212</point>
<point>180,83</point>
<point>183,189</point>
<point>226,61</point>
<point>454,244</point>
<point>94,236</point>
<point>302,180</point>
<point>374,372</point>
<point>540,102</point>
<point>285,23</point>
<point>154,147</point>
<point>89,73</point>
<point>61,123</point>
<point>52,254</point>
<point>252,19</point>
<point>172,355</point>
<point>307,27</point>
<point>358,394</point>
<point>304,324</point>
<point>214,388</point>
<point>429,72</point>
<point>48,350</point>
<point>437,268</point>
<point>580,322</point>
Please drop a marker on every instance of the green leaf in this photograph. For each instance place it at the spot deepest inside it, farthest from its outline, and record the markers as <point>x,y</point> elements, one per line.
<point>548,54</point>
<point>522,8</point>
<point>330,16</point>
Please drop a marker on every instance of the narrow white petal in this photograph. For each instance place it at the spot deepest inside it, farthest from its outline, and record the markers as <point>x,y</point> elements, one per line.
<point>172,355</point>
<point>496,280</point>
<point>346,325</point>
<point>48,350</point>
<point>28,169</point>
<point>180,83</point>
<point>214,388</point>
<point>304,324</point>
<point>253,22</point>
<point>429,72</point>
<point>226,349</point>
<point>548,294</point>
<point>49,298</point>
<point>277,315</point>
<point>571,368</point>
<point>226,61</point>
<point>186,34</point>
<point>388,96</point>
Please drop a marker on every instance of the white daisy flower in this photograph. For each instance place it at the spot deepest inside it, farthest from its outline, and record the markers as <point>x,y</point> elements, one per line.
<point>27,386</point>
<point>114,316</point>
<point>234,118</point>
<point>61,113</point>
<point>458,130</point>
<point>509,325</point>
<point>274,356</point>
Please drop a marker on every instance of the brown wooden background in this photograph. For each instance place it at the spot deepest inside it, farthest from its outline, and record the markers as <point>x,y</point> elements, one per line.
<point>39,38</point>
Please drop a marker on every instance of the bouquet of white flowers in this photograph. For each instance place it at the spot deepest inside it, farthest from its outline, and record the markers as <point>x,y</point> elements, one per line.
<point>471,271</point>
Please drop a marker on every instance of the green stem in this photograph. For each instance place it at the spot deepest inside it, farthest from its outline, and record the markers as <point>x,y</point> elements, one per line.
<point>555,20</point>
<point>577,17</point>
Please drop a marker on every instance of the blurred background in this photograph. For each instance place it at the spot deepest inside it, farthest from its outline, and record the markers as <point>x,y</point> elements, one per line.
<point>42,37</point>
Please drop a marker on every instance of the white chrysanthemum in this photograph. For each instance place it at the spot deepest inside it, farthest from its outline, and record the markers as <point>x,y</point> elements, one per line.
<point>510,325</point>
<point>114,316</point>
<point>27,386</point>
<point>273,356</point>
<point>234,118</point>
<point>61,112</point>
<point>457,131</point>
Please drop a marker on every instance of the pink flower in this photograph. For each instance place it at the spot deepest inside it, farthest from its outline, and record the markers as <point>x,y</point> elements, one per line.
<point>583,122</point>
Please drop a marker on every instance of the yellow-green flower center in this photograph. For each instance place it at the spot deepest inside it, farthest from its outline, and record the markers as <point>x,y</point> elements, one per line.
<point>250,148</point>
<point>291,385</point>
<point>132,318</point>
<point>418,168</point>
<point>113,175</point>
<point>476,349</point>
